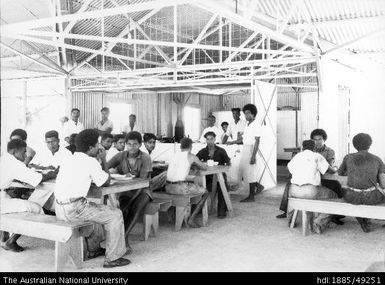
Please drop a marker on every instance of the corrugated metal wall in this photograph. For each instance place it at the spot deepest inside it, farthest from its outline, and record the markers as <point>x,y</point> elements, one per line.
<point>89,104</point>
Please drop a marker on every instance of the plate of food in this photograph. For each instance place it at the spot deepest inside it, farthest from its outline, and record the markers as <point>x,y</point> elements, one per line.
<point>120,177</point>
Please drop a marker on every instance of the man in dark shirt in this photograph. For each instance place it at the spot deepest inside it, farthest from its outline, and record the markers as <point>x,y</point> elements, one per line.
<point>366,176</point>
<point>218,154</point>
<point>132,162</point>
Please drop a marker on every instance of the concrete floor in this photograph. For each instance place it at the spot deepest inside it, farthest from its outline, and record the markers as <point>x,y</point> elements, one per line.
<point>254,240</point>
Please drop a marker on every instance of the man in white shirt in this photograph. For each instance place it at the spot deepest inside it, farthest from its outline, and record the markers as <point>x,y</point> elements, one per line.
<point>12,168</point>
<point>235,129</point>
<point>72,185</point>
<point>306,169</point>
<point>211,128</point>
<point>73,126</point>
<point>159,171</point>
<point>52,156</point>
<point>104,126</point>
<point>132,125</point>
<point>119,145</point>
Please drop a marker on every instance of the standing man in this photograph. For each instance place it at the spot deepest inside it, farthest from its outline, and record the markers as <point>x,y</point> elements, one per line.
<point>366,176</point>
<point>132,125</point>
<point>12,167</point>
<point>251,139</point>
<point>211,128</point>
<point>52,156</point>
<point>72,185</point>
<point>218,154</point>
<point>104,126</point>
<point>73,126</point>
<point>235,129</point>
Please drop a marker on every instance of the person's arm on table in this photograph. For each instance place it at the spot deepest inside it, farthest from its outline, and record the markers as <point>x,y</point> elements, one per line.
<point>102,157</point>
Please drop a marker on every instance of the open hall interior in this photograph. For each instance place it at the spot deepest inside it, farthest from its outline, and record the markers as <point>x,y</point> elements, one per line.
<point>175,65</point>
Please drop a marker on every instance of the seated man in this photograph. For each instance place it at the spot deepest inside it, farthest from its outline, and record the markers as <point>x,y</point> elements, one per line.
<point>366,176</point>
<point>12,167</point>
<point>319,136</point>
<point>106,141</point>
<point>52,156</point>
<point>72,185</point>
<point>177,177</point>
<point>22,135</point>
<point>306,169</point>
<point>118,146</point>
<point>132,162</point>
<point>218,154</point>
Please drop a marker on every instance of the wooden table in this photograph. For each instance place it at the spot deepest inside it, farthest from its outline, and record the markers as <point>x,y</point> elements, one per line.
<point>117,187</point>
<point>97,192</point>
<point>343,180</point>
<point>217,172</point>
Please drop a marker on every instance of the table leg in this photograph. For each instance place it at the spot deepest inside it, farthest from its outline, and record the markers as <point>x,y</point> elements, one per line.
<point>213,201</point>
<point>225,194</point>
<point>113,200</point>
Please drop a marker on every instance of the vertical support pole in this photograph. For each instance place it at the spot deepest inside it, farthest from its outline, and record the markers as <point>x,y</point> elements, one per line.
<point>103,43</point>
<point>175,41</point>
<point>220,39</point>
<point>318,63</point>
<point>135,47</point>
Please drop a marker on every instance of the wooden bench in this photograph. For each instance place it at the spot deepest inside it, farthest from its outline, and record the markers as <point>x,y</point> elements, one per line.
<point>151,216</point>
<point>334,207</point>
<point>182,204</point>
<point>68,237</point>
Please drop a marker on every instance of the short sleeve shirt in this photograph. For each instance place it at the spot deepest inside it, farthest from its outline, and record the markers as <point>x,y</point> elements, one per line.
<point>328,153</point>
<point>235,128</point>
<point>76,174</point>
<point>306,168</point>
<point>13,169</point>
<point>45,157</point>
<point>220,155</point>
<point>362,168</point>
<point>252,130</point>
<point>103,127</point>
<point>141,168</point>
<point>71,127</point>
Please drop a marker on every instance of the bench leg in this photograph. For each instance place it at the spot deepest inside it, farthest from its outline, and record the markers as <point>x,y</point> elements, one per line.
<point>293,219</point>
<point>205,214</point>
<point>179,217</point>
<point>305,223</point>
<point>147,223</point>
<point>61,254</point>
<point>76,251</point>
<point>155,223</point>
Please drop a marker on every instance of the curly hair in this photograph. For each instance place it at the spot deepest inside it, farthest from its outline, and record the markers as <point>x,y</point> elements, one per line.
<point>250,107</point>
<point>85,139</point>
<point>319,132</point>
<point>362,141</point>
